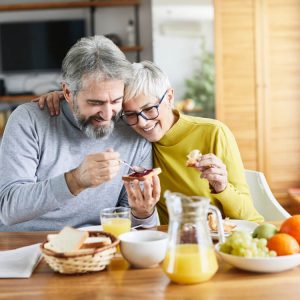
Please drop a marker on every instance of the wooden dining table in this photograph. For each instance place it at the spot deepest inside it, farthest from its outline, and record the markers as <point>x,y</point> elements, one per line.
<point>120,281</point>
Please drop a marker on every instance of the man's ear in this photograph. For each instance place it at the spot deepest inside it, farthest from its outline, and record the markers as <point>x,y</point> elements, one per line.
<point>67,92</point>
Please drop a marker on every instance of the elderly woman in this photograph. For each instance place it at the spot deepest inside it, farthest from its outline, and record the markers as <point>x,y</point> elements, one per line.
<point>218,174</point>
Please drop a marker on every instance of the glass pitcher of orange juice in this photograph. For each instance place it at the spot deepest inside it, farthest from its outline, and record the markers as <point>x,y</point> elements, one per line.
<point>190,256</point>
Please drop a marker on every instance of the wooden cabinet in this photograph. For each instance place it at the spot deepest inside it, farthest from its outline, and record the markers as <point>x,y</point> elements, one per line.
<point>258,84</point>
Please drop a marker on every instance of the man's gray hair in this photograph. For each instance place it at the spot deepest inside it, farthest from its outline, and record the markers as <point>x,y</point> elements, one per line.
<point>94,56</point>
<point>148,79</point>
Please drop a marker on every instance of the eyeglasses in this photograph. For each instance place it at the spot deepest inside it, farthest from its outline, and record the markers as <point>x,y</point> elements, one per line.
<point>149,113</point>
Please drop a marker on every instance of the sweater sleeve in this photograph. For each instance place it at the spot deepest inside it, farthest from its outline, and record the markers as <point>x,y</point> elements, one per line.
<point>22,198</point>
<point>235,199</point>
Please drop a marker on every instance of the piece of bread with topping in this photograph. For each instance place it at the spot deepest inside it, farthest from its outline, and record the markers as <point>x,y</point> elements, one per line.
<point>193,157</point>
<point>142,176</point>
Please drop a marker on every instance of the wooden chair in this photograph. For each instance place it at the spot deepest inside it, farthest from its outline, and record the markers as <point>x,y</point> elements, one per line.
<point>263,199</point>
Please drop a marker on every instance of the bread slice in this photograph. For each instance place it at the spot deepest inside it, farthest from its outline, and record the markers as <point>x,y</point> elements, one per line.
<point>96,242</point>
<point>67,240</point>
<point>227,226</point>
<point>142,176</point>
<point>51,236</point>
<point>193,157</point>
<point>81,251</point>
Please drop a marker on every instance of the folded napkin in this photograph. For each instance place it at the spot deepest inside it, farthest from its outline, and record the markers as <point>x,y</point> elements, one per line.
<point>19,263</point>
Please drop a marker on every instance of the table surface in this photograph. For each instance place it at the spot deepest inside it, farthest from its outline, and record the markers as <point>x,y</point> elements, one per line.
<point>123,282</point>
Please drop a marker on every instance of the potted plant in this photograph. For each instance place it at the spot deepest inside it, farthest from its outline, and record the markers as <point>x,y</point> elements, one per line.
<point>201,86</point>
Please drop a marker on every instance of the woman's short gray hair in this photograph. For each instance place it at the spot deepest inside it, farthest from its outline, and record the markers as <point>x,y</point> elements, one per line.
<point>97,56</point>
<point>147,79</point>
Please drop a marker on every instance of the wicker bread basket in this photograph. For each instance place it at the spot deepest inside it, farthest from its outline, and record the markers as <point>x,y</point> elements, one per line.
<point>89,260</point>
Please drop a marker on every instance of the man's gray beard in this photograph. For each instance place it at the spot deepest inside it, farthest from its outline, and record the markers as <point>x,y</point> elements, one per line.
<point>89,130</point>
<point>99,132</point>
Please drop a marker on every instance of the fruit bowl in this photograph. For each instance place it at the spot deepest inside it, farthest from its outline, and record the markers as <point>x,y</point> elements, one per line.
<point>261,264</point>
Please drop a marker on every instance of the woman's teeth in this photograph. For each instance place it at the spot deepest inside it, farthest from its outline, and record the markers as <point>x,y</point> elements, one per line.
<point>149,128</point>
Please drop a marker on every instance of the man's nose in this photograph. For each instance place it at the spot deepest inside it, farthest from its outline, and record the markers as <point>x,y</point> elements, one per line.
<point>106,112</point>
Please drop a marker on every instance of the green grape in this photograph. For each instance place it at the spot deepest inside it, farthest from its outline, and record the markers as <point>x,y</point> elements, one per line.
<point>253,248</point>
<point>235,251</point>
<point>247,243</point>
<point>242,251</point>
<point>261,243</point>
<point>272,253</point>
<point>255,240</point>
<point>241,243</point>
<point>248,253</point>
<point>226,248</point>
<point>261,253</point>
<point>236,243</point>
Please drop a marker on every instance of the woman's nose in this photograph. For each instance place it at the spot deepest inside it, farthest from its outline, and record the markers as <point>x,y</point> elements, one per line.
<point>141,121</point>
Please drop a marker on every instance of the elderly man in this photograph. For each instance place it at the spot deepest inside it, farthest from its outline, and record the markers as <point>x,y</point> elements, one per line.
<point>64,170</point>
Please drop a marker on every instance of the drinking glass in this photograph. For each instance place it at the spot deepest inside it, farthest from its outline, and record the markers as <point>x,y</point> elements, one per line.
<point>116,220</point>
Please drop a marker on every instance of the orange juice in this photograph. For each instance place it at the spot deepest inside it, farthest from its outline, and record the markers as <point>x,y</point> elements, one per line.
<point>190,263</point>
<point>116,226</point>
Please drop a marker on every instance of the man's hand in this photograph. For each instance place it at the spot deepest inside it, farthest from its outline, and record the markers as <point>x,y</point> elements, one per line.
<point>142,202</point>
<point>93,171</point>
<point>53,101</point>
<point>214,170</point>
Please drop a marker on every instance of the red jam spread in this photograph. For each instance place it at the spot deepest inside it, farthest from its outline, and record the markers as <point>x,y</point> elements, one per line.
<point>136,174</point>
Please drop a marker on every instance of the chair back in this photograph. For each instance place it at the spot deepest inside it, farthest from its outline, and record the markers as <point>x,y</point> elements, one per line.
<point>263,199</point>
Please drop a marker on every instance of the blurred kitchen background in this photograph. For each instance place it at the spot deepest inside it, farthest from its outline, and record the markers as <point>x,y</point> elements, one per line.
<point>234,60</point>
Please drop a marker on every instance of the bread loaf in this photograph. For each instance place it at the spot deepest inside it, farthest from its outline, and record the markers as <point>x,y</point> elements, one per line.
<point>67,240</point>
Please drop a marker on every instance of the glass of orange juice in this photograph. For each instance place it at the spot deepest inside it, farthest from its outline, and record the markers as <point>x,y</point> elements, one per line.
<point>116,220</point>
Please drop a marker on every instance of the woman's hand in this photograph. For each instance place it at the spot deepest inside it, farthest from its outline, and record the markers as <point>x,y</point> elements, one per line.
<point>53,101</point>
<point>214,170</point>
<point>142,202</point>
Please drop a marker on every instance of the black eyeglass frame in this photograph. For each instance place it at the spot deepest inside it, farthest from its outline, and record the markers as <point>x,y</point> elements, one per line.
<point>141,113</point>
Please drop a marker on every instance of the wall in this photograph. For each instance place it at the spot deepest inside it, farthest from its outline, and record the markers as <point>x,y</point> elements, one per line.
<point>115,20</point>
<point>177,30</point>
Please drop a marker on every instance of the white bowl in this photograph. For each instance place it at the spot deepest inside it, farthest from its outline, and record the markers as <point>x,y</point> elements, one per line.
<point>143,249</point>
<point>261,264</point>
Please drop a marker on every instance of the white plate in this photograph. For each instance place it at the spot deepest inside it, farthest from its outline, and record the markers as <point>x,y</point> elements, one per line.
<point>261,264</point>
<point>92,228</point>
<point>99,228</point>
<point>241,225</point>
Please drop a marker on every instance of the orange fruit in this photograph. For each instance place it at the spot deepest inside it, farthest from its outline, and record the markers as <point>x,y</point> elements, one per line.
<point>291,226</point>
<point>283,244</point>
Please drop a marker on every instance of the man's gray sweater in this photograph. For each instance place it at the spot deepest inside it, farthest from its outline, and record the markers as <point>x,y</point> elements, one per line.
<point>37,150</point>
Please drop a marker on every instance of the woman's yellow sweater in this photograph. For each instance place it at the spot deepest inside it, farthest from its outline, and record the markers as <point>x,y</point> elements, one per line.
<point>209,136</point>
